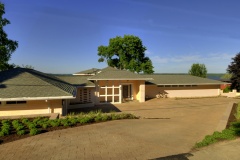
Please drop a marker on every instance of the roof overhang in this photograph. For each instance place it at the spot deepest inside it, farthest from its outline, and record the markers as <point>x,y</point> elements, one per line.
<point>82,74</point>
<point>36,98</point>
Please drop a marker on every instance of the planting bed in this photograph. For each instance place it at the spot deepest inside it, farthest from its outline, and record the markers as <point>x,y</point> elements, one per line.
<point>11,130</point>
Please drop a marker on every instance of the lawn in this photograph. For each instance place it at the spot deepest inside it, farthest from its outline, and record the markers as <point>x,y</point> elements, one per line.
<point>11,130</point>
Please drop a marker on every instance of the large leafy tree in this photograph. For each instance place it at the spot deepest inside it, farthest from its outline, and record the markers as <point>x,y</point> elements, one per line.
<point>199,70</point>
<point>127,53</point>
<point>234,70</point>
<point>7,46</point>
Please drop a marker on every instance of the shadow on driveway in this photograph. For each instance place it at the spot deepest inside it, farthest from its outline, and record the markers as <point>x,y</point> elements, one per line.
<point>183,156</point>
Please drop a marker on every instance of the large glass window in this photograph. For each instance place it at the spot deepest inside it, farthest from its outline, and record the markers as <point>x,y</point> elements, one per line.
<point>109,93</point>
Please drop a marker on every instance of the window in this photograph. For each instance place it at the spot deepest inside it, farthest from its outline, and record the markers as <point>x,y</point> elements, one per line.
<point>16,102</point>
<point>167,85</point>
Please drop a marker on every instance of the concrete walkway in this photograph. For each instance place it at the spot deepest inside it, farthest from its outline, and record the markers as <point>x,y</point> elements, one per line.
<point>228,150</point>
<point>173,127</point>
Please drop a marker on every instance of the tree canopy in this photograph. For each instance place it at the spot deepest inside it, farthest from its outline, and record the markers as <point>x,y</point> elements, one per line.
<point>226,76</point>
<point>7,46</point>
<point>234,70</point>
<point>199,70</point>
<point>127,53</point>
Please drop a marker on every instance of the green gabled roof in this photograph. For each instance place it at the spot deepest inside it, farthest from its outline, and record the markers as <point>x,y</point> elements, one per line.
<point>110,73</point>
<point>91,71</point>
<point>78,80</point>
<point>30,84</point>
<point>161,79</point>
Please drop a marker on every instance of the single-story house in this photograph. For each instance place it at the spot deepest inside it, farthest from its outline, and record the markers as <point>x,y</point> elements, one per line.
<point>27,91</point>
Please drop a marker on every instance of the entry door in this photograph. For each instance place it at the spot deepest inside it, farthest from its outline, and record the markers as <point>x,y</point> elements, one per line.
<point>127,92</point>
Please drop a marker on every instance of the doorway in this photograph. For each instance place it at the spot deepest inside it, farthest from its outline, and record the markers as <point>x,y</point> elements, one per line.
<point>127,92</point>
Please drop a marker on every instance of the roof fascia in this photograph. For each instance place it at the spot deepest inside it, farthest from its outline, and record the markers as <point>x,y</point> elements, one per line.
<point>36,98</point>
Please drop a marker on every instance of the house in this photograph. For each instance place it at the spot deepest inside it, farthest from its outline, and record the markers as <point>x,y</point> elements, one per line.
<point>26,91</point>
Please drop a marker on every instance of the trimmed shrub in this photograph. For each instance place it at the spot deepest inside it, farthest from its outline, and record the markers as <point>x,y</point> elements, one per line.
<point>2,134</point>
<point>5,131</point>
<point>34,131</point>
<point>4,121</point>
<point>21,132</point>
<point>54,123</point>
<point>25,120</point>
<point>31,125</point>
<point>227,89</point>
<point>19,127</point>
<point>45,125</point>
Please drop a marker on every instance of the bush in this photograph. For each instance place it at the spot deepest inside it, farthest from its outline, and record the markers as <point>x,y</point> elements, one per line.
<point>73,121</point>
<point>45,125</point>
<point>98,118</point>
<point>31,125</point>
<point>15,123</point>
<point>54,123</point>
<point>19,127</point>
<point>115,116</point>
<point>105,117</point>
<point>2,134</point>
<point>25,120</point>
<point>36,120</point>
<point>34,131</point>
<point>5,131</point>
<point>227,89</point>
<point>6,125</point>
<point>85,120</point>
<point>21,132</point>
<point>5,121</point>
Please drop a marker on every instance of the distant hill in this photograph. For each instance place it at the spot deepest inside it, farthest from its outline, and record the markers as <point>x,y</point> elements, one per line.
<point>215,76</point>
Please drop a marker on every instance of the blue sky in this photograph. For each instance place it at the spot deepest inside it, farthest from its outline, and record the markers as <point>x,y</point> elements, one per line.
<point>62,36</point>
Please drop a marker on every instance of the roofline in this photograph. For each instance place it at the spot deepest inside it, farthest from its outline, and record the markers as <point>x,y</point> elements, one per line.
<point>125,79</point>
<point>36,98</point>
<point>82,74</point>
<point>85,86</point>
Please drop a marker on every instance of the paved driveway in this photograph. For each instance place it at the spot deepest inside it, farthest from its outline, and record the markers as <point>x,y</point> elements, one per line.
<point>173,127</point>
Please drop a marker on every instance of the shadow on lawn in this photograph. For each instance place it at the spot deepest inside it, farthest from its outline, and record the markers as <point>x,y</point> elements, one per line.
<point>105,108</point>
<point>183,156</point>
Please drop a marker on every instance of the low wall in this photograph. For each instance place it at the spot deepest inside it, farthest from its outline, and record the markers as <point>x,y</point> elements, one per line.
<point>234,93</point>
<point>227,117</point>
<point>181,92</point>
<point>31,108</point>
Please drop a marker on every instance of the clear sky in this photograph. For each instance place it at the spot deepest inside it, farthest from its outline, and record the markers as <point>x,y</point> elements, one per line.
<point>62,36</point>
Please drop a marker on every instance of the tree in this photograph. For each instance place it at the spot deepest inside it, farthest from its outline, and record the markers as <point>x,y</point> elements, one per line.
<point>198,70</point>
<point>24,66</point>
<point>126,53</point>
<point>234,70</point>
<point>7,46</point>
<point>226,76</point>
